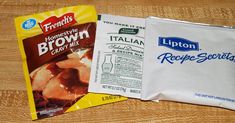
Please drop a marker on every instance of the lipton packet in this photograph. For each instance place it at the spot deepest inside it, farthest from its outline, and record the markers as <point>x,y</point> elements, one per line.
<point>56,48</point>
<point>189,62</point>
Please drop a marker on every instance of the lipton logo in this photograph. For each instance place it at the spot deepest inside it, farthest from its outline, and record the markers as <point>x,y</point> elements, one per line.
<point>179,44</point>
<point>54,23</point>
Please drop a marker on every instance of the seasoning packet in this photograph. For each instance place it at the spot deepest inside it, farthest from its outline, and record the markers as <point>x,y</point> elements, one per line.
<point>118,56</point>
<point>56,49</point>
<point>189,62</point>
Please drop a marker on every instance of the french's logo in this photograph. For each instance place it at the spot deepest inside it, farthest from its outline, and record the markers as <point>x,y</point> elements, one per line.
<point>54,23</point>
<point>179,44</point>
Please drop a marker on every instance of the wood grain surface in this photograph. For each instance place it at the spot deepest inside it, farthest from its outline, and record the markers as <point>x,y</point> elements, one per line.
<point>13,97</point>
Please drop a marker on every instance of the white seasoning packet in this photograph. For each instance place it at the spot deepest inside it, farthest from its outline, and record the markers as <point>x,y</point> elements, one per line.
<point>189,62</point>
<point>118,56</point>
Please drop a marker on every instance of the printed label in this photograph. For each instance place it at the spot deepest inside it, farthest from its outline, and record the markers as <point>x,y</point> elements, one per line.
<point>117,68</point>
<point>54,23</point>
<point>128,31</point>
<point>179,44</point>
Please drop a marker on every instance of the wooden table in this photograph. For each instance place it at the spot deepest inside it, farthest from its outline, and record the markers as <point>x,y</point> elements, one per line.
<point>14,104</point>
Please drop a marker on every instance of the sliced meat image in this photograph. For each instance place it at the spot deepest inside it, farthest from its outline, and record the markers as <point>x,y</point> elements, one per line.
<point>62,82</point>
<point>88,54</point>
<point>81,61</point>
<point>84,71</point>
<point>42,75</point>
<point>65,86</point>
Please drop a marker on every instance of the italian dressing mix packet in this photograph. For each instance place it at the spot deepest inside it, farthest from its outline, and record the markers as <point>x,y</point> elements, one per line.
<point>188,62</point>
<point>118,56</point>
<point>57,48</point>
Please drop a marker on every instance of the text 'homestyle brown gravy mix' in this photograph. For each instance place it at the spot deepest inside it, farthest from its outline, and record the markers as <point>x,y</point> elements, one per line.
<point>51,82</point>
<point>57,49</point>
<point>41,49</point>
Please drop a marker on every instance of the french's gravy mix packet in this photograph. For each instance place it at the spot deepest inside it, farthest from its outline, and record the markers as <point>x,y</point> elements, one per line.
<point>56,48</point>
<point>188,62</point>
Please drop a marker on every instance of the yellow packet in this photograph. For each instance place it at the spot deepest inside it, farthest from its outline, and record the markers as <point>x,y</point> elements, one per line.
<point>57,48</point>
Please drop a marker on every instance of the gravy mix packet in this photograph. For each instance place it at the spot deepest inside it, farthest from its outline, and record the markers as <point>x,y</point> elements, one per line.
<point>118,56</point>
<point>189,62</point>
<point>57,48</point>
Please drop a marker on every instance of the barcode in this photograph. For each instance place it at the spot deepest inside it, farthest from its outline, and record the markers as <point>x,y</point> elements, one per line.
<point>135,91</point>
<point>114,88</point>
